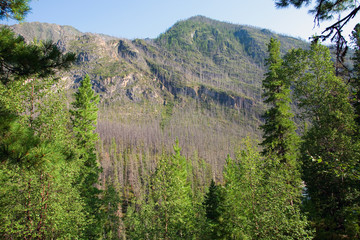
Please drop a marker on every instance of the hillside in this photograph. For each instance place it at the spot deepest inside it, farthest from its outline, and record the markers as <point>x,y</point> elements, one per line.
<point>200,82</point>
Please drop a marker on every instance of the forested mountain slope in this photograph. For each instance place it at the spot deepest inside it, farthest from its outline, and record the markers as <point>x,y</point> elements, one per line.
<point>200,82</point>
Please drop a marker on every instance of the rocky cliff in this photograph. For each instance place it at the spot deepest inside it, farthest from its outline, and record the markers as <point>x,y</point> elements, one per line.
<point>200,79</point>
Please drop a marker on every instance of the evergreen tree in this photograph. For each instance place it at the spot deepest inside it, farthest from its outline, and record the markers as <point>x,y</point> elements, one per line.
<point>242,196</point>
<point>39,164</point>
<point>111,201</point>
<point>168,211</point>
<point>84,119</point>
<point>355,81</point>
<point>324,10</point>
<point>84,115</point>
<point>21,61</point>
<point>329,153</point>
<point>279,137</point>
<point>256,204</point>
<point>15,9</point>
<point>213,204</point>
<point>38,159</point>
<point>280,141</point>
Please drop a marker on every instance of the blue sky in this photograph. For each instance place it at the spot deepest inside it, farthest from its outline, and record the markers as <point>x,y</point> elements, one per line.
<point>149,18</point>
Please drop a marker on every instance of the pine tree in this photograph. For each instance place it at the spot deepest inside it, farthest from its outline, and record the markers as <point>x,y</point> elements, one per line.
<point>39,165</point>
<point>84,119</point>
<point>14,9</point>
<point>38,158</point>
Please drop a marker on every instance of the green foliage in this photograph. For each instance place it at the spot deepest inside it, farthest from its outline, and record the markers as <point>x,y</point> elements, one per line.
<point>15,9</point>
<point>330,149</point>
<point>84,115</point>
<point>84,118</point>
<point>214,208</point>
<point>355,81</point>
<point>21,60</point>
<point>168,212</point>
<point>166,114</point>
<point>111,202</point>
<point>279,136</point>
<point>41,202</point>
<point>323,10</point>
<point>257,204</point>
<point>38,163</point>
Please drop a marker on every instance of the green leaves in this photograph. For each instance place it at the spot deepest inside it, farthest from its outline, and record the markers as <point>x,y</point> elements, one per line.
<point>259,202</point>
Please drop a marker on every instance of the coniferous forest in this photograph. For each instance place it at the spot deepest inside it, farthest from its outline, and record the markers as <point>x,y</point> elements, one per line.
<point>281,159</point>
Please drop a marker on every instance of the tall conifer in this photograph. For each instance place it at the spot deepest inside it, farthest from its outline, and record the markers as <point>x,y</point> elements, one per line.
<point>281,174</point>
<point>355,81</point>
<point>84,119</point>
<point>279,137</point>
<point>329,153</point>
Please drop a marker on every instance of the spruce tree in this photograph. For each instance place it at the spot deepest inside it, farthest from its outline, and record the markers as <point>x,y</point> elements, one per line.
<point>84,119</point>
<point>355,81</point>
<point>279,138</point>
<point>213,204</point>
<point>329,153</point>
<point>280,141</point>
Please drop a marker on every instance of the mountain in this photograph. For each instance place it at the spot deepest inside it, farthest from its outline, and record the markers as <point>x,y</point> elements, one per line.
<point>200,82</point>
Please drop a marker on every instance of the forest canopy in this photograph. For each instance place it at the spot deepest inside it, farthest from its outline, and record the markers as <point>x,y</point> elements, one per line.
<point>60,180</point>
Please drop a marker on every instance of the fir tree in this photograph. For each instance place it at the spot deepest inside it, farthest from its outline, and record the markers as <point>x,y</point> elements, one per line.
<point>355,81</point>
<point>329,153</point>
<point>279,137</point>
<point>280,142</point>
<point>84,119</point>
<point>213,204</point>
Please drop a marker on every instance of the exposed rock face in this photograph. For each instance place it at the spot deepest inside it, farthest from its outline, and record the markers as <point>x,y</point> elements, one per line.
<point>200,82</point>
<point>125,50</point>
<point>199,58</point>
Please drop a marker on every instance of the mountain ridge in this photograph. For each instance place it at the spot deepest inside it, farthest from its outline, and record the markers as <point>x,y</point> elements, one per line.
<point>199,81</point>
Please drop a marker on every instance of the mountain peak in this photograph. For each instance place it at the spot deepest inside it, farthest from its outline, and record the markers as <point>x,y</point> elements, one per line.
<point>45,31</point>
